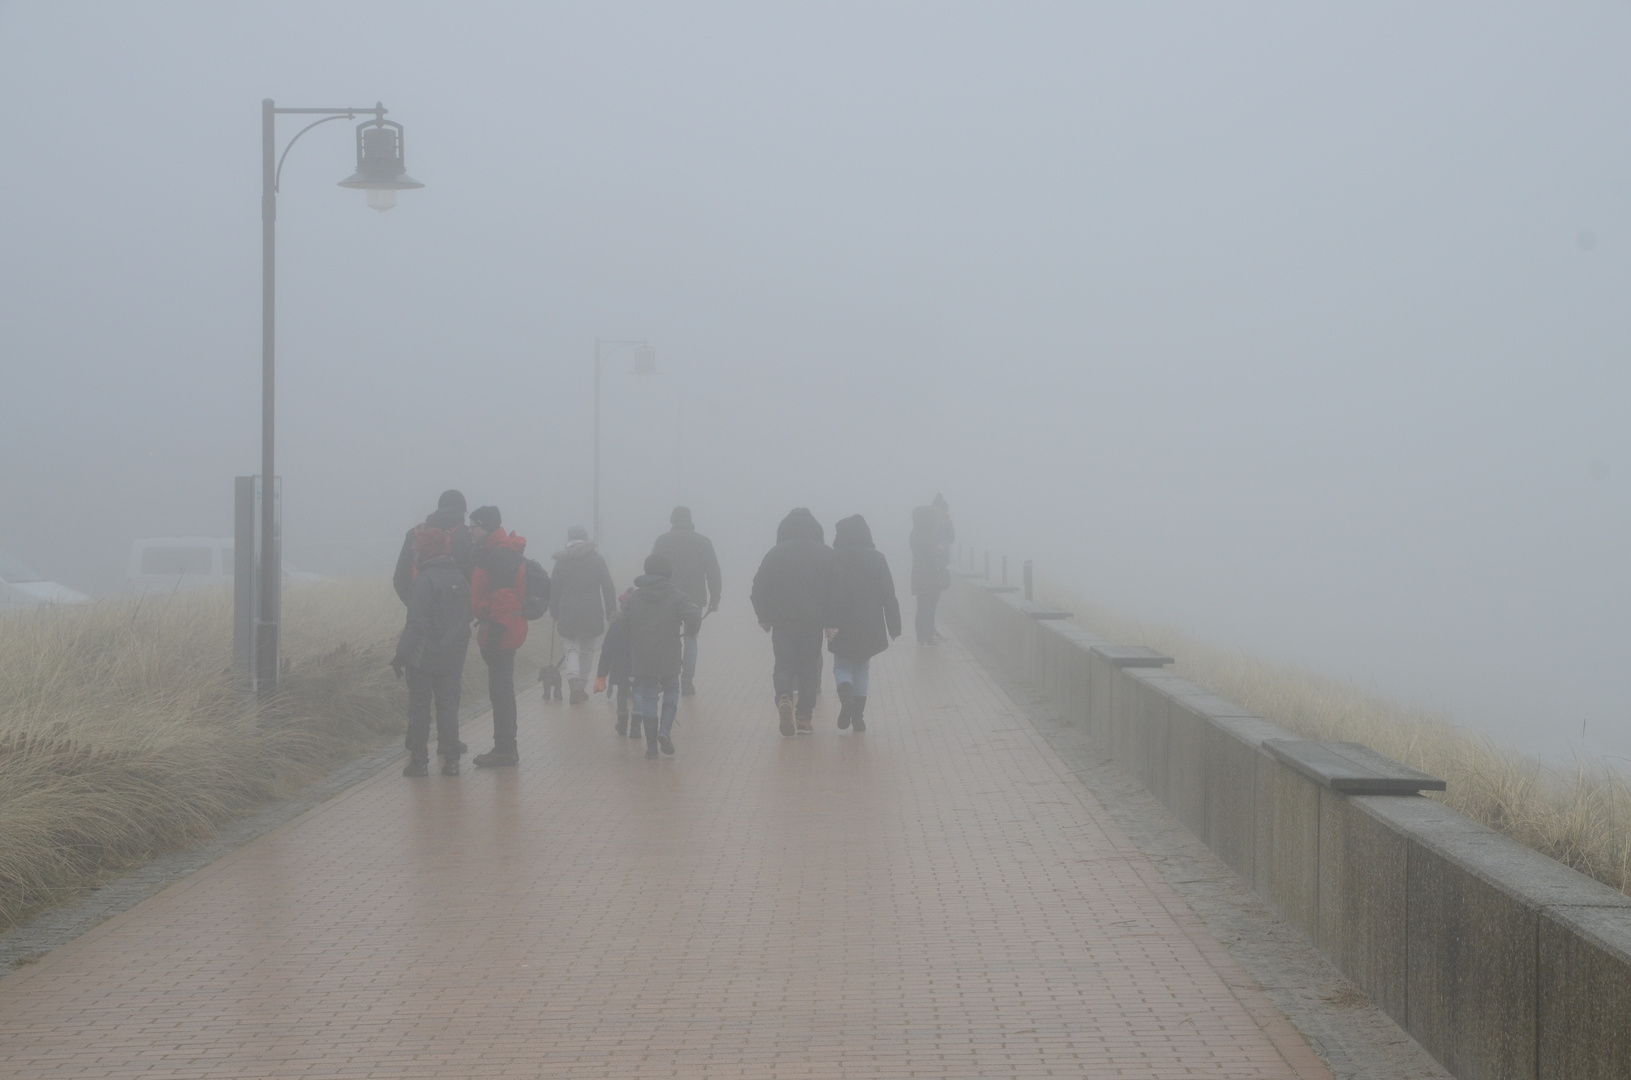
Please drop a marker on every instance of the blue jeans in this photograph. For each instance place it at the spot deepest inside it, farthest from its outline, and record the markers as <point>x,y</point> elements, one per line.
<point>688,658</point>
<point>854,672</point>
<point>645,699</point>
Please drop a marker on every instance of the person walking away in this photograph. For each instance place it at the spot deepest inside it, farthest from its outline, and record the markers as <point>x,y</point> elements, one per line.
<point>615,672</point>
<point>498,585</point>
<point>581,599</point>
<point>433,644</point>
<point>931,571</point>
<point>463,549</point>
<point>696,574</point>
<point>658,615</point>
<point>862,615</point>
<point>790,600</point>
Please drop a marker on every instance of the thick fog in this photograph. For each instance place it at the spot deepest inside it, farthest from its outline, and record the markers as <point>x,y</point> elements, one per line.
<point>1304,328</point>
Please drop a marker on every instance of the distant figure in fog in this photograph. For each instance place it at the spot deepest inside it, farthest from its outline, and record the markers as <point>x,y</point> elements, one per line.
<point>616,673</point>
<point>433,644</point>
<point>582,599</point>
<point>462,548</point>
<point>790,599</point>
<point>498,587</point>
<point>696,574</point>
<point>862,615</point>
<point>658,615</point>
<point>931,564</point>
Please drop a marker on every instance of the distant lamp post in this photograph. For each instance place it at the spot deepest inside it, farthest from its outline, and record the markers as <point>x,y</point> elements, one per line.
<point>645,369</point>
<point>381,173</point>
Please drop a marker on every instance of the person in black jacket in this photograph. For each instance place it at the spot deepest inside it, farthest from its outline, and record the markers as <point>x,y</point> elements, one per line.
<point>658,615</point>
<point>862,615</point>
<point>790,599</point>
<point>581,598</point>
<point>463,548</point>
<point>615,672</point>
<point>433,644</point>
<point>696,574</point>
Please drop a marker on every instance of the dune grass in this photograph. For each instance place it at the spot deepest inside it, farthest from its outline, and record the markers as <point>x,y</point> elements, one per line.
<point>121,735</point>
<point>1580,816</point>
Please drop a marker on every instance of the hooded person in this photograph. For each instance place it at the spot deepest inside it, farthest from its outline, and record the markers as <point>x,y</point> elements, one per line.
<point>790,600</point>
<point>451,505</point>
<point>696,574</point>
<point>498,588</point>
<point>931,568</point>
<point>862,615</point>
<point>658,615</point>
<point>615,672</point>
<point>432,647</point>
<point>582,600</point>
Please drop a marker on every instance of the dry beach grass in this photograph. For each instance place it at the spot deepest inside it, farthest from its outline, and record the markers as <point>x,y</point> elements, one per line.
<point>121,735</point>
<point>1580,817</point>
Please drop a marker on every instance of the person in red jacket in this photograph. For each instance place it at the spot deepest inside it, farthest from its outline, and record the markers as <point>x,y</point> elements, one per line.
<point>498,585</point>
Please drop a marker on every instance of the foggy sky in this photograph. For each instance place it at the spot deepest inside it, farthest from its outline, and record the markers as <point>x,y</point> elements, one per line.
<point>1303,328</point>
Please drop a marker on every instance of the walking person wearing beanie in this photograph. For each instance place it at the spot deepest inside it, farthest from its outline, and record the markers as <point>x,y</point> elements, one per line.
<point>615,674</point>
<point>696,574</point>
<point>432,647</point>
<point>790,599</point>
<point>658,615</point>
<point>862,615</point>
<point>462,549</point>
<point>498,586</point>
<point>581,600</point>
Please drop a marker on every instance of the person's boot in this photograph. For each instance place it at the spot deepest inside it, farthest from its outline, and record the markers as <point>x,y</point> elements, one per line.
<point>857,717</point>
<point>622,725</point>
<point>450,766</point>
<point>846,693</point>
<point>784,708</point>
<point>577,697</point>
<point>496,758</point>
<point>802,715</point>
<point>417,766</point>
<point>650,724</point>
<point>804,725</point>
<point>634,727</point>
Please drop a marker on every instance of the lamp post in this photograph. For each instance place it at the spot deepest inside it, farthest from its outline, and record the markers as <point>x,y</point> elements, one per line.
<point>645,366</point>
<point>380,172</point>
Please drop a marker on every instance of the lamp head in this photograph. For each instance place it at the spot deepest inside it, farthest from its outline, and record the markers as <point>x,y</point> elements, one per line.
<point>380,169</point>
<point>645,362</point>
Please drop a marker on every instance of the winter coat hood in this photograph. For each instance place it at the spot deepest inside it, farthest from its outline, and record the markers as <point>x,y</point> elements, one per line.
<point>575,548</point>
<point>852,532</point>
<point>498,538</point>
<point>800,524</point>
<point>648,581</point>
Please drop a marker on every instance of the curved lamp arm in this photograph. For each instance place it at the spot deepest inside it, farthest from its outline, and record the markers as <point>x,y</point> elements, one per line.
<point>277,179</point>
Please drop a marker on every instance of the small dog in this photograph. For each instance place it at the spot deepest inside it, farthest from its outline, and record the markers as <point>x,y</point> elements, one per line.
<point>550,676</point>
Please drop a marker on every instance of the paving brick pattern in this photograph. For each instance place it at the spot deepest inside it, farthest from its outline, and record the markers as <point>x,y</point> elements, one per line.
<point>938,897</point>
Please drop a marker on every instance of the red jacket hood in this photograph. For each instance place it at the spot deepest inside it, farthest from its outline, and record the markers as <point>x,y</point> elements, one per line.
<point>500,538</point>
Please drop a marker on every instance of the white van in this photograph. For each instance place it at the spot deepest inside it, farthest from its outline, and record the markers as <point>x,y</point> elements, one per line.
<point>171,563</point>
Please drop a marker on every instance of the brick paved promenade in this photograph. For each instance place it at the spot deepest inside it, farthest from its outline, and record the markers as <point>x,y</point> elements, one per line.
<point>937,897</point>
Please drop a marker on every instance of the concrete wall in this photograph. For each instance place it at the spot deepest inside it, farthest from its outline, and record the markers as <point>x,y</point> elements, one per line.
<point>1501,962</point>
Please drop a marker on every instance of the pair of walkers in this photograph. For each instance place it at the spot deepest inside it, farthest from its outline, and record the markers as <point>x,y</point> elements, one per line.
<point>806,593</point>
<point>443,596</point>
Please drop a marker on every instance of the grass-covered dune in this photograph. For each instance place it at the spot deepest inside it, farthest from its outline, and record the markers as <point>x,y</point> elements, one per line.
<point>121,735</point>
<point>1579,816</point>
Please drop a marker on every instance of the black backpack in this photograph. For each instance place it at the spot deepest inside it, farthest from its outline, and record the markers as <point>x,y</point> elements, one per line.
<point>535,604</point>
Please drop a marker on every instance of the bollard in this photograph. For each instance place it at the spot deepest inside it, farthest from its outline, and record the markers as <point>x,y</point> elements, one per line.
<point>1005,571</point>
<point>1028,597</point>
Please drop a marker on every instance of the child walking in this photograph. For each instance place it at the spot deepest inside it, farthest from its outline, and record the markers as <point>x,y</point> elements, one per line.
<point>614,672</point>
<point>658,614</point>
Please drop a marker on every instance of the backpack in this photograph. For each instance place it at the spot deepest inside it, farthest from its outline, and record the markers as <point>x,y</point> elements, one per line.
<point>535,599</point>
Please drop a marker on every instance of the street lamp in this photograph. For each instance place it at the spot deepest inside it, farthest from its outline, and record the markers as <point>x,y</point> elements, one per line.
<point>645,368</point>
<point>380,172</point>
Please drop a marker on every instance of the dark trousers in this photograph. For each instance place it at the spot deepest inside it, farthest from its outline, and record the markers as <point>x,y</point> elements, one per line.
<point>501,692</point>
<point>798,663</point>
<point>423,689</point>
<point>926,605</point>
